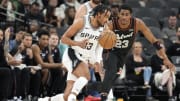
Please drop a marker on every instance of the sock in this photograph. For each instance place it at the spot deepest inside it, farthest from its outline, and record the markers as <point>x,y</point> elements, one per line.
<point>71,97</point>
<point>110,94</point>
<point>58,97</point>
<point>98,78</point>
<point>79,84</point>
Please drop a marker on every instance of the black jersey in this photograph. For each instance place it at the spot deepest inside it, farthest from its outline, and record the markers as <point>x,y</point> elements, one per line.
<point>56,55</point>
<point>125,37</point>
<point>26,59</point>
<point>44,55</point>
<point>3,62</point>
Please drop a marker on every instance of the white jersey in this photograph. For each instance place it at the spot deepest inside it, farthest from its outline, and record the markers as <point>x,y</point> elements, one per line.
<point>93,51</point>
<point>88,8</point>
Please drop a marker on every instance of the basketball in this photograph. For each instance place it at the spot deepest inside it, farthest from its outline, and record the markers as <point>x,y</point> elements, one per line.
<point>107,39</point>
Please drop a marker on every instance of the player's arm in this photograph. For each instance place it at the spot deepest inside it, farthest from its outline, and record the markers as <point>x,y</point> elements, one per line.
<point>99,52</point>
<point>81,12</point>
<point>72,30</point>
<point>6,43</point>
<point>141,26</point>
<point>36,53</point>
<point>11,61</point>
<point>150,37</point>
<point>108,26</point>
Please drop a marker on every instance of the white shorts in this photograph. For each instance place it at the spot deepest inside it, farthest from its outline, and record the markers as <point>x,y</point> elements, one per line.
<point>70,64</point>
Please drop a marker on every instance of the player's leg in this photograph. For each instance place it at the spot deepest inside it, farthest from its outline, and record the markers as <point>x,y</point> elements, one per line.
<point>110,75</point>
<point>83,75</point>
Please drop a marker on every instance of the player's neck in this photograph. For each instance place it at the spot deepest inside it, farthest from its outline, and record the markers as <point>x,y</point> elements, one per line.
<point>41,46</point>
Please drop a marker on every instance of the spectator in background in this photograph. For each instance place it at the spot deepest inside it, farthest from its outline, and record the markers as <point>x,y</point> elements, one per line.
<point>58,77</point>
<point>33,28</point>
<point>50,16</point>
<point>42,55</point>
<point>18,38</point>
<point>60,12</point>
<point>164,77</point>
<point>138,69</point>
<point>4,5</point>
<point>23,8</point>
<point>24,54</point>
<point>5,71</point>
<point>174,49</point>
<point>34,13</point>
<point>178,16</point>
<point>114,10</point>
<point>70,15</point>
<point>9,16</point>
<point>52,30</point>
<point>170,29</point>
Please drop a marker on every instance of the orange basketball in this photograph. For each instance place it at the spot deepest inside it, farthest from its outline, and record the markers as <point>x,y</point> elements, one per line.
<point>108,39</point>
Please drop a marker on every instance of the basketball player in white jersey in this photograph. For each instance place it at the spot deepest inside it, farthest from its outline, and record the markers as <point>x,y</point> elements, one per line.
<point>84,51</point>
<point>85,8</point>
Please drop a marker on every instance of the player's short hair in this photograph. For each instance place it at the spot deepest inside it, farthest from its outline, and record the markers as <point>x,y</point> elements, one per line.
<point>125,7</point>
<point>99,9</point>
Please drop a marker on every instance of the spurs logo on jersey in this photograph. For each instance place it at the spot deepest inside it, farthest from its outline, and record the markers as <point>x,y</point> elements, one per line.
<point>89,36</point>
<point>87,33</point>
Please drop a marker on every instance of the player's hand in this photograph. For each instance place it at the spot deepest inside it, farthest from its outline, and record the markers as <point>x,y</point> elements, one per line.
<point>29,53</point>
<point>7,33</point>
<point>83,43</point>
<point>98,67</point>
<point>14,62</point>
<point>62,66</point>
<point>169,64</point>
<point>21,47</point>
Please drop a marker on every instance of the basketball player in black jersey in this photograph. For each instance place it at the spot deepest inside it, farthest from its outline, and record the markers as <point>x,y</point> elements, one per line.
<point>126,27</point>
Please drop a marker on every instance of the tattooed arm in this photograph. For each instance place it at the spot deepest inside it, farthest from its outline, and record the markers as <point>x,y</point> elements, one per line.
<point>6,44</point>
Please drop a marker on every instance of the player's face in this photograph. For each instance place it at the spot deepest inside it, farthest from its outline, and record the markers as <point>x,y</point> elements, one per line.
<point>44,40</point>
<point>53,40</point>
<point>1,36</point>
<point>96,1</point>
<point>103,18</point>
<point>124,16</point>
<point>27,41</point>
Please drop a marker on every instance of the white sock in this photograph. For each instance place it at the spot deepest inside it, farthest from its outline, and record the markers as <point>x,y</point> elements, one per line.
<point>110,95</point>
<point>79,84</point>
<point>58,97</point>
<point>71,97</point>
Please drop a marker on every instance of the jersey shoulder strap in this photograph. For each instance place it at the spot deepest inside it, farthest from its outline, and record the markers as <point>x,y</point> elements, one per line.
<point>115,23</point>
